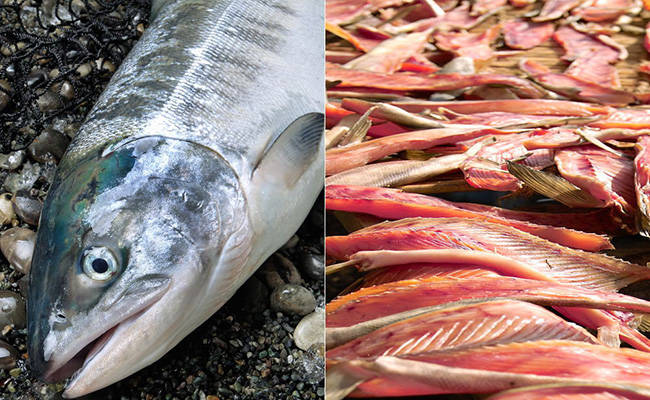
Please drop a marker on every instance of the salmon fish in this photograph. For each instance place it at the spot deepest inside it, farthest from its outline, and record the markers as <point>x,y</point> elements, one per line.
<point>201,158</point>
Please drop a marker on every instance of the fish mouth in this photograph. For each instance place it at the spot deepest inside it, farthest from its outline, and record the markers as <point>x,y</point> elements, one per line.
<point>74,365</point>
<point>70,361</point>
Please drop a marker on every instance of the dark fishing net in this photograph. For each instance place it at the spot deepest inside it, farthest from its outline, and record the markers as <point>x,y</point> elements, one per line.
<point>56,58</point>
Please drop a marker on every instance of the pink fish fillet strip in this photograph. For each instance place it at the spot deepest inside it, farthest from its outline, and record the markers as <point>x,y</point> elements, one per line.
<point>394,297</point>
<point>484,243</point>
<point>491,369</point>
<point>602,174</point>
<point>388,56</point>
<point>422,271</point>
<point>342,159</point>
<point>394,204</point>
<point>522,34</point>
<point>436,82</point>
<point>461,326</point>
<point>625,118</point>
<point>610,327</point>
<point>554,9</point>
<point>598,221</point>
<point>580,45</point>
<point>528,106</point>
<point>603,10</point>
<point>576,88</point>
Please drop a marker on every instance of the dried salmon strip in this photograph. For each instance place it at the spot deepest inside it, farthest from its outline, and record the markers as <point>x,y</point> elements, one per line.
<point>422,271</point>
<point>393,204</point>
<point>435,82</point>
<point>509,246</point>
<point>455,326</point>
<point>493,368</point>
<point>522,34</point>
<point>398,296</point>
<point>345,158</point>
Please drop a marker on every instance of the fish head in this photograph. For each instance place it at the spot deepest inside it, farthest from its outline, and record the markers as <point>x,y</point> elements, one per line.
<point>125,253</point>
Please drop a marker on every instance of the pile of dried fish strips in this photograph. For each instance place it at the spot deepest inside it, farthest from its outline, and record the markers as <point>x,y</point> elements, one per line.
<point>485,159</point>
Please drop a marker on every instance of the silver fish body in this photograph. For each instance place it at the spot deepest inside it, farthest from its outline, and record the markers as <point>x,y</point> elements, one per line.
<point>200,159</point>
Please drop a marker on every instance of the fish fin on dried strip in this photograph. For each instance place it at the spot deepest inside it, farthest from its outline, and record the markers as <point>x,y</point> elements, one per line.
<point>644,324</point>
<point>553,186</point>
<point>358,130</point>
<point>396,173</point>
<point>603,175</point>
<point>392,113</point>
<point>343,378</point>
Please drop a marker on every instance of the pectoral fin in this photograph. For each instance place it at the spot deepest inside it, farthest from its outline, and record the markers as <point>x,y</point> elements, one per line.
<point>293,151</point>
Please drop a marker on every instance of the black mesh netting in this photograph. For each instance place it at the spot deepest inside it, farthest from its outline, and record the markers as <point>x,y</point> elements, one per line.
<point>56,58</point>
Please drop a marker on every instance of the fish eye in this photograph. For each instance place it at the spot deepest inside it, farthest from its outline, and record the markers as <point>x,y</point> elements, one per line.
<point>99,263</point>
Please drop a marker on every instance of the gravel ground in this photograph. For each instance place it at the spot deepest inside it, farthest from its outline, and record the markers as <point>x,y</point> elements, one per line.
<point>247,349</point>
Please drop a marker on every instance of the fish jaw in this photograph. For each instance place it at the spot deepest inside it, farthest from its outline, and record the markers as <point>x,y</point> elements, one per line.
<point>63,351</point>
<point>139,340</point>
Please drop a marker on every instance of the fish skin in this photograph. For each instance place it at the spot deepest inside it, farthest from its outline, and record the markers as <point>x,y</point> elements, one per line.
<point>173,172</point>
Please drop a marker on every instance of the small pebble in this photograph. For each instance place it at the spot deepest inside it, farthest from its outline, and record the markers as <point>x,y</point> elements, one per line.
<point>4,97</point>
<point>67,90</point>
<point>84,70</point>
<point>35,77</point>
<point>310,330</point>
<point>49,146</point>
<point>293,299</point>
<point>310,365</point>
<point>7,213</point>
<point>23,286</point>
<point>312,265</point>
<point>279,270</point>
<point>13,160</point>
<point>27,207</point>
<point>48,101</point>
<point>71,129</point>
<point>12,310</point>
<point>8,356</point>
<point>23,179</point>
<point>17,245</point>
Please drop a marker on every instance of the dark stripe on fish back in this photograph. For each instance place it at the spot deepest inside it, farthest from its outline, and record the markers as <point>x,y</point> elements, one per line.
<point>203,65</point>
